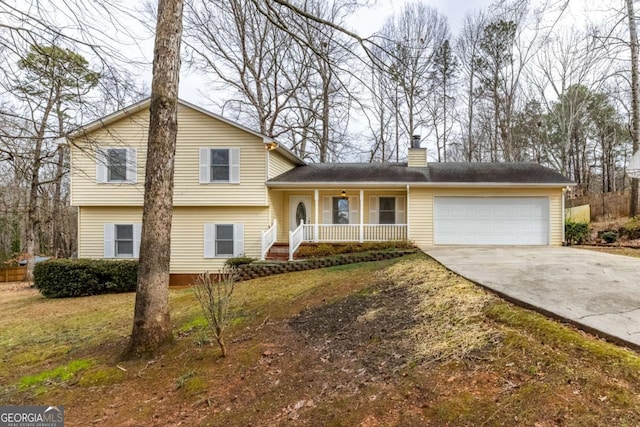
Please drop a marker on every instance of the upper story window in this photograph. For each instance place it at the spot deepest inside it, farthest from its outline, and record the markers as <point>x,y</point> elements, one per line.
<point>116,165</point>
<point>219,165</point>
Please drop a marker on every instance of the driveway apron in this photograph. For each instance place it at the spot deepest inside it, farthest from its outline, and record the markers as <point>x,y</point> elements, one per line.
<point>596,291</point>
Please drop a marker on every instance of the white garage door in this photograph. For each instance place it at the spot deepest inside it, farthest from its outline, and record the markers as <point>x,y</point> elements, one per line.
<point>491,221</point>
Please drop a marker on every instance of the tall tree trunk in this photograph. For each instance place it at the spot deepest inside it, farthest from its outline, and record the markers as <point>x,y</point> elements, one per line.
<point>151,323</point>
<point>635,94</point>
<point>33,220</point>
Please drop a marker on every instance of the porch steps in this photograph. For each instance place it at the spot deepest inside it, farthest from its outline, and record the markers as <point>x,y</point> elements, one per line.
<point>278,252</point>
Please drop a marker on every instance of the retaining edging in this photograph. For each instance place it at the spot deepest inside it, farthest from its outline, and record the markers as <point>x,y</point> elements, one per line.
<point>264,269</point>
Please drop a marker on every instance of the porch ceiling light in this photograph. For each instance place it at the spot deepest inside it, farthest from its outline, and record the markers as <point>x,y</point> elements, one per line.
<point>343,195</point>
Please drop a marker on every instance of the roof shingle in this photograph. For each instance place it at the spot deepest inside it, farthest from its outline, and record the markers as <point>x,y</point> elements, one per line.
<point>495,173</point>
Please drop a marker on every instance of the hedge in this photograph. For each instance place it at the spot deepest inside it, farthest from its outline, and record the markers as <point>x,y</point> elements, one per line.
<point>62,278</point>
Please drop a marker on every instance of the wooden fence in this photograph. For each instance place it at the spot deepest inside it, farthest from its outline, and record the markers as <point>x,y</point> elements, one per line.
<point>614,204</point>
<point>13,274</point>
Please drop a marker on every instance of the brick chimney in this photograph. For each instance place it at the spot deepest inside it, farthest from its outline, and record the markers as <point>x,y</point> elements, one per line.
<point>417,155</point>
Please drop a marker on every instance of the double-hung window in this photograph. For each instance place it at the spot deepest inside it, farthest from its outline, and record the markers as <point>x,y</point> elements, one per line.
<point>223,240</point>
<point>219,165</point>
<point>122,240</point>
<point>340,210</point>
<point>387,210</point>
<point>116,165</point>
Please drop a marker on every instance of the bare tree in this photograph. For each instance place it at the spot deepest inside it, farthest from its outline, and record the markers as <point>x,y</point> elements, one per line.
<point>635,99</point>
<point>412,38</point>
<point>151,323</point>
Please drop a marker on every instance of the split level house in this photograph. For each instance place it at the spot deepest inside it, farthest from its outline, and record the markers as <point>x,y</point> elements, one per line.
<point>238,192</point>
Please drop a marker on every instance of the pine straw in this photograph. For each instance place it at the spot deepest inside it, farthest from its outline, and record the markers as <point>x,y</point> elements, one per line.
<point>451,323</point>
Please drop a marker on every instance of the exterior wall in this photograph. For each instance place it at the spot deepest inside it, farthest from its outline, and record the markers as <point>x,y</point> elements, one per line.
<point>421,208</point>
<point>187,233</point>
<point>278,164</point>
<point>195,130</point>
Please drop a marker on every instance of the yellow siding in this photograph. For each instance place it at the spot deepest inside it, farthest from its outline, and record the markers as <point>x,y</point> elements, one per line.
<point>195,130</point>
<point>187,234</point>
<point>417,157</point>
<point>128,132</point>
<point>278,164</point>
<point>421,208</point>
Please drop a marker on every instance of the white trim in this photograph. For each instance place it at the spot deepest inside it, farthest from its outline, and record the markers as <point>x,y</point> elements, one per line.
<point>333,185</point>
<point>564,219</point>
<point>407,213</point>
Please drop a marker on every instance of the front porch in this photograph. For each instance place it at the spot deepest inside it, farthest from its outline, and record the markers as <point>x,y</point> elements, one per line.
<point>335,216</point>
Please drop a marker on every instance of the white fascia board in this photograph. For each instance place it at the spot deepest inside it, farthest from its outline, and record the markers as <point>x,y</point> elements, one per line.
<point>419,184</point>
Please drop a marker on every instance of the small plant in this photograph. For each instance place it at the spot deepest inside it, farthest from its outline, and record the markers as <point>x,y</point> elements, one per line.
<point>609,236</point>
<point>631,229</point>
<point>576,232</point>
<point>241,260</point>
<point>213,292</point>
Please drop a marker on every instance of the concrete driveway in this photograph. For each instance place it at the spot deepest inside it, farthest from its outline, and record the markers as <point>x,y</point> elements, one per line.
<point>598,292</point>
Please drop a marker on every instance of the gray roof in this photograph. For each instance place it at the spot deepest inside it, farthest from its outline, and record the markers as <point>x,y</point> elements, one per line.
<point>495,173</point>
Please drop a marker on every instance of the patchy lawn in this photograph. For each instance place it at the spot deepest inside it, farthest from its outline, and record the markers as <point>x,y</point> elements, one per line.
<point>400,342</point>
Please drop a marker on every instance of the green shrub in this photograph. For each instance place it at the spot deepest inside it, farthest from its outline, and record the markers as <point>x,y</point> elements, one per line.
<point>241,260</point>
<point>63,278</point>
<point>325,250</point>
<point>631,229</point>
<point>576,232</point>
<point>609,236</point>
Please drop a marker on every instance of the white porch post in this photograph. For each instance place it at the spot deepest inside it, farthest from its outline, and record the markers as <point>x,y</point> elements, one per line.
<point>408,216</point>
<point>316,202</point>
<point>361,216</point>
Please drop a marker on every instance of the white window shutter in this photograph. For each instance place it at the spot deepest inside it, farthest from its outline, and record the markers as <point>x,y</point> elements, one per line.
<point>238,239</point>
<point>354,209</point>
<point>209,240</point>
<point>101,166</point>
<point>109,241</point>
<point>137,232</point>
<point>132,165</point>
<point>326,209</point>
<point>374,214</point>
<point>234,165</point>
<point>401,217</point>
<point>205,165</point>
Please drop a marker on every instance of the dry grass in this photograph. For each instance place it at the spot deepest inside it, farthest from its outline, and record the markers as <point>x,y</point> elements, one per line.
<point>452,325</point>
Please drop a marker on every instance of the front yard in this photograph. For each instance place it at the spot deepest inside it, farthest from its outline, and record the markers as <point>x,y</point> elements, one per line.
<point>398,342</point>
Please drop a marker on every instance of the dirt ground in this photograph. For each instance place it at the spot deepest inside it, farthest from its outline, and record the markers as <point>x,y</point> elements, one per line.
<point>348,346</point>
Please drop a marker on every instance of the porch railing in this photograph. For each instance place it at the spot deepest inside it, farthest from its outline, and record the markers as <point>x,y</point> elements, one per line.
<point>268,239</point>
<point>296,237</point>
<point>354,232</point>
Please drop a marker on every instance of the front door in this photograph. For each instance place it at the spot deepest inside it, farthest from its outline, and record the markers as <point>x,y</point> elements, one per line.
<point>300,210</point>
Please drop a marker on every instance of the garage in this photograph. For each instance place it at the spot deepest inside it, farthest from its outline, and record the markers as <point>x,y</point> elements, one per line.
<point>491,220</point>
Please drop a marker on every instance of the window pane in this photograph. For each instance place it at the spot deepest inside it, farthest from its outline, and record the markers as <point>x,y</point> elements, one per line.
<point>117,164</point>
<point>340,211</point>
<point>387,203</point>
<point>124,248</point>
<point>224,247</point>
<point>387,217</point>
<point>219,157</point>
<point>124,232</point>
<point>224,232</point>
<point>219,173</point>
